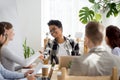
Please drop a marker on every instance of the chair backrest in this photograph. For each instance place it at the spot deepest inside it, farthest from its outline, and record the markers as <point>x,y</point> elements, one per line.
<point>65,60</point>
<point>65,76</point>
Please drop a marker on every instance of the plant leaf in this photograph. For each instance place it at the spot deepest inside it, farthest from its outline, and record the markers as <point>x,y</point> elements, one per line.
<point>113,10</point>
<point>86,15</point>
<point>27,50</point>
<point>96,7</point>
<point>98,17</point>
<point>118,7</point>
<point>92,1</point>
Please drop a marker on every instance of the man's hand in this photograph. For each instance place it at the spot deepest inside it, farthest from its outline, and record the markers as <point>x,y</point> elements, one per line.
<point>28,72</point>
<point>31,77</point>
<point>41,56</point>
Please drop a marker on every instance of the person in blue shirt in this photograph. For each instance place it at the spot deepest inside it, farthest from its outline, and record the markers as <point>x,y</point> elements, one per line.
<point>6,74</point>
<point>113,39</point>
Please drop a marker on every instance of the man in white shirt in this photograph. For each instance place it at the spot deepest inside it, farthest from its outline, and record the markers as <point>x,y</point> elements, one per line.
<point>98,61</point>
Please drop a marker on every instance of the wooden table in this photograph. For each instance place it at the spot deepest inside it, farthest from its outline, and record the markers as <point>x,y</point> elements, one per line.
<point>54,75</point>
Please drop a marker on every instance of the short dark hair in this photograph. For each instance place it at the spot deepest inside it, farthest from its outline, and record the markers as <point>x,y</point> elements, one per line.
<point>94,32</point>
<point>55,22</point>
<point>2,30</point>
<point>113,35</point>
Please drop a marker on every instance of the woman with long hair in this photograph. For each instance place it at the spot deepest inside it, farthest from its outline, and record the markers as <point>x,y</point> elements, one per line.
<point>113,39</point>
<point>6,74</point>
<point>8,58</point>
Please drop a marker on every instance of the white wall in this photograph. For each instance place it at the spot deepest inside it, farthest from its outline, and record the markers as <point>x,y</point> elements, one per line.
<point>29,13</point>
<point>64,10</point>
<point>35,14</point>
<point>111,20</point>
<point>25,15</point>
<point>30,18</point>
<point>8,13</point>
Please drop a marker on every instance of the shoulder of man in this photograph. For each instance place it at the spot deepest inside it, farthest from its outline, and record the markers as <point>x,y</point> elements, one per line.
<point>50,43</point>
<point>71,41</point>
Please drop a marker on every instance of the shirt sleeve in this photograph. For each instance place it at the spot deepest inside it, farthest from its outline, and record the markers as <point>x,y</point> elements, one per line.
<point>6,53</point>
<point>17,59</point>
<point>116,51</point>
<point>1,78</point>
<point>7,75</point>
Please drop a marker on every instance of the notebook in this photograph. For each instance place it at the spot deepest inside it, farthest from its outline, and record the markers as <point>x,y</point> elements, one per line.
<point>32,58</point>
<point>38,69</point>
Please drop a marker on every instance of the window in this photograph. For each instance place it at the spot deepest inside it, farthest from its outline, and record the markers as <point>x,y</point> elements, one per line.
<point>64,10</point>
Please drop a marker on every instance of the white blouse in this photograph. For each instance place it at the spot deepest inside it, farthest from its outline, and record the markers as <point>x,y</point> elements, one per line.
<point>116,51</point>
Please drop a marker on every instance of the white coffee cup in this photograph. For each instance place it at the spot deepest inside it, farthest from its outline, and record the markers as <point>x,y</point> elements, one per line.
<point>45,70</point>
<point>59,75</point>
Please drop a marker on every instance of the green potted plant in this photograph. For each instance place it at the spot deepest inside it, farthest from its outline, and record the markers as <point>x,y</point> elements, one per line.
<point>109,7</point>
<point>27,50</point>
<point>53,64</point>
<point>68,66</point>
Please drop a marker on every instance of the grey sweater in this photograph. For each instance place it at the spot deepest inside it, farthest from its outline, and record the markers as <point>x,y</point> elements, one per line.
<point>8,58</point>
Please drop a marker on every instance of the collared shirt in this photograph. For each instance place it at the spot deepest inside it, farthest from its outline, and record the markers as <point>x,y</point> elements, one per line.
<point>52,48</point>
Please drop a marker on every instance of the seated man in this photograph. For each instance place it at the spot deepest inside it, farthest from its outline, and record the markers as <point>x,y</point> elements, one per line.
<point>61,45</point>
<point>98,61</point>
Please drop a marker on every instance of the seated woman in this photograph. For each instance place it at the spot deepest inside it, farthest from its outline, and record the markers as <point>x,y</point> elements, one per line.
<point>61,45</point>
<point>8,58</point>
<point>6,74</point>
<point>113,39</point>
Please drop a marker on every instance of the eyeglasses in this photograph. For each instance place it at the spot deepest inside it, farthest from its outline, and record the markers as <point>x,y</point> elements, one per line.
<point>53,30</point>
